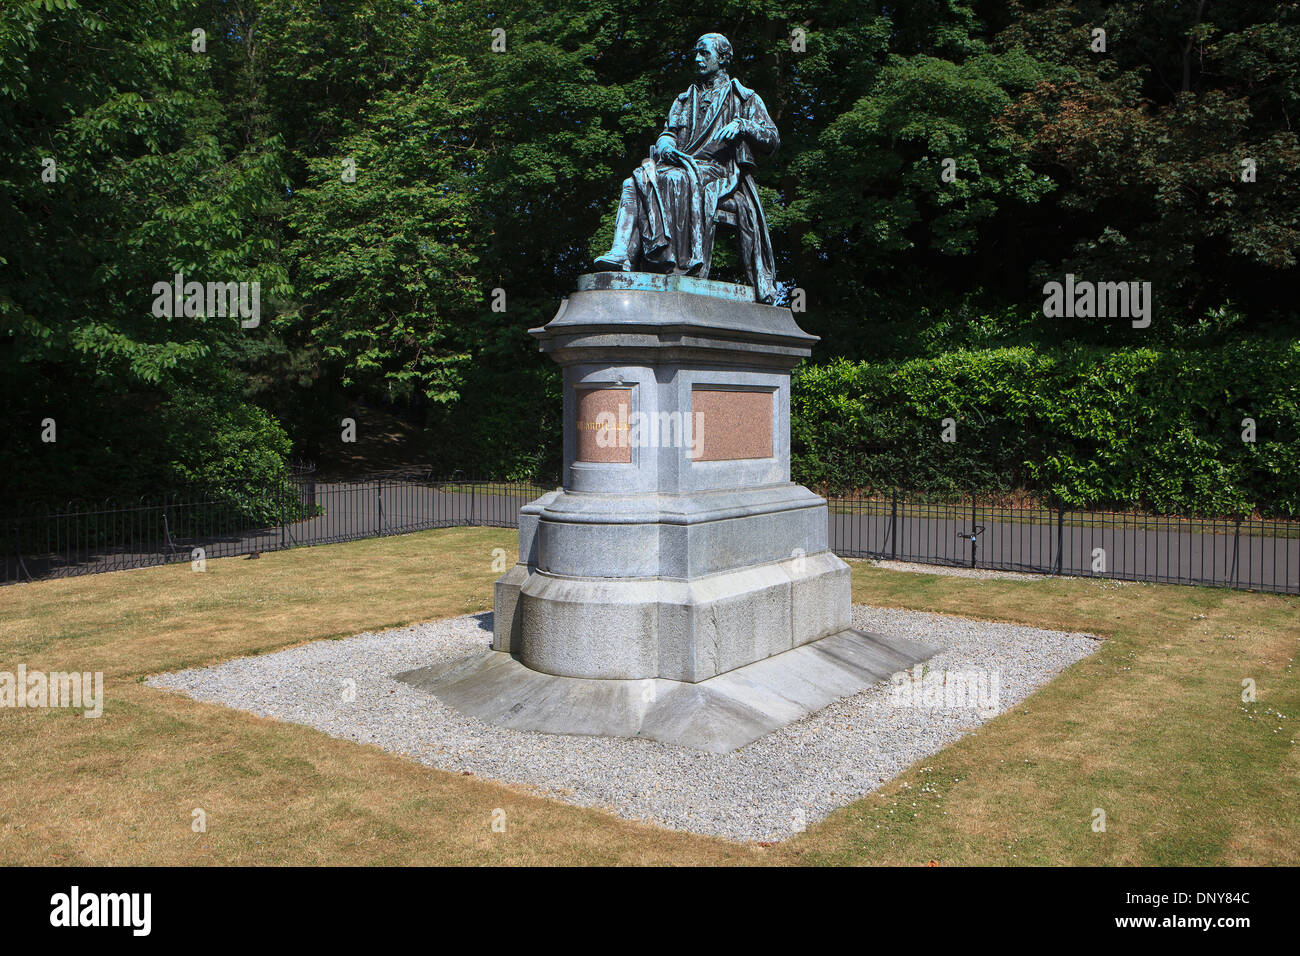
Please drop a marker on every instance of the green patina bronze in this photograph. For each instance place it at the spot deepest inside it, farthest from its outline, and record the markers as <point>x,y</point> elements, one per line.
<point>700,172</point>
<point>647,282</point>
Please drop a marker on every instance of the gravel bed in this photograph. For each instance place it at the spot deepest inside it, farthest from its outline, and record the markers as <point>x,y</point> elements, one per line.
<point>765,791</point>
<point>954,571</point>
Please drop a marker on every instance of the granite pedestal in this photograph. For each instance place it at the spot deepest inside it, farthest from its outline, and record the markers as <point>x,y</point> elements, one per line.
<point>678,555</point>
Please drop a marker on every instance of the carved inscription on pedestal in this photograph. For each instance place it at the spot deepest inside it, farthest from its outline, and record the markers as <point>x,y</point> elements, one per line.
<point>602,424</point>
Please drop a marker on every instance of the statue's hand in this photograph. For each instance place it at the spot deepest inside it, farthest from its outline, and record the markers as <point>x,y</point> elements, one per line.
<point>731,131</point>
<point>665,154</point>
<point>662,151</point>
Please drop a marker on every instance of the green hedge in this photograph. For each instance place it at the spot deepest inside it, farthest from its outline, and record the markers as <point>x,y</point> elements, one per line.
<point>1095,427</point>
<point>233,456</point>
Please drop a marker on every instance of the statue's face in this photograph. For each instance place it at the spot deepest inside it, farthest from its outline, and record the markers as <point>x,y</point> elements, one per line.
<point>706,58</point>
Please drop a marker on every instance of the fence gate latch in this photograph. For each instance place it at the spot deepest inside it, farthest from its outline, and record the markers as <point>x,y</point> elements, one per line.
<point>972,535</point>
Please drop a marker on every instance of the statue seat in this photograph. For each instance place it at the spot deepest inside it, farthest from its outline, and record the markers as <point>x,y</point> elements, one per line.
<point>726,215</point>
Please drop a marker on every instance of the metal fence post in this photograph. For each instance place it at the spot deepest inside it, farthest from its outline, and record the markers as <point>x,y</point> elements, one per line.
<point>1060,537</point>
<point>893,525</point>
<point>1236,542</point>
<point>379,523</point>
<point>972,530</point>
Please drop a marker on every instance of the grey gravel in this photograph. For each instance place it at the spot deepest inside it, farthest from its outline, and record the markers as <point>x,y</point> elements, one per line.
<point>766,791</point>
<point>990,574</point>
<point>956,572</point>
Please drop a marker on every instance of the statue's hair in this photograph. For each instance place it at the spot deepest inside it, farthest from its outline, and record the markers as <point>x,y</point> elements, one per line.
<point>721,46</point>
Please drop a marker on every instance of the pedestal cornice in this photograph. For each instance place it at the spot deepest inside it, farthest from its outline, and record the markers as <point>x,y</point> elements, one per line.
<point>656,319</point>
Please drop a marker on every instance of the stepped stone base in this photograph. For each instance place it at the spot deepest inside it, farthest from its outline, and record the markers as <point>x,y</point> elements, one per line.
<point>718,715</point>
<point>684,630</point>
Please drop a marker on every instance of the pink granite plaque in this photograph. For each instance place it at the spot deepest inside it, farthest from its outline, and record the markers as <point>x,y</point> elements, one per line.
<point>603,415</point>
<point>733,425</point>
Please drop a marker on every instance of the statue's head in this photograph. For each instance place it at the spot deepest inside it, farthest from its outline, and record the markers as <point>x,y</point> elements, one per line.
<point>712,53</point>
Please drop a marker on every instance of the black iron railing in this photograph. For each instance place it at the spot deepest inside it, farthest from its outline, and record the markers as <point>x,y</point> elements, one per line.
<point>1240,552</point>
<point>84,538</point>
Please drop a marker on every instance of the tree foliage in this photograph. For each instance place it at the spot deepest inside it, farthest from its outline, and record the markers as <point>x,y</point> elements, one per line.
<point>940,161</point>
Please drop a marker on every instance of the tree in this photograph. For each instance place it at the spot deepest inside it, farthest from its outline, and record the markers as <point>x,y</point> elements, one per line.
<point>141,182</point>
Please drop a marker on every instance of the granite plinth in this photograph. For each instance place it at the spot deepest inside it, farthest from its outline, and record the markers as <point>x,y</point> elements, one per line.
<point>678,555</point>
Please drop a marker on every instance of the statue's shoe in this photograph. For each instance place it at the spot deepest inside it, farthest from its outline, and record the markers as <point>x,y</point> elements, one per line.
<point>614,261</point>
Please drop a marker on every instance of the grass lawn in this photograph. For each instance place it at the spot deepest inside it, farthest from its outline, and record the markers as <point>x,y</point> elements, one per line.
<point>1151,729</point>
